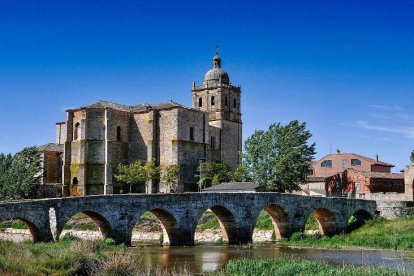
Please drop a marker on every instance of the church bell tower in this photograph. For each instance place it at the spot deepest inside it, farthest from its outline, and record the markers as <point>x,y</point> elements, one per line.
<point>217,96</point>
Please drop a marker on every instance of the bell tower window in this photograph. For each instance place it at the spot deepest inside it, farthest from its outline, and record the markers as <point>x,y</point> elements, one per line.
<point>77,132</point>
<point>225,100</point>
<point>200,102</point>
<point>212,100</point>
<point>234,103</point>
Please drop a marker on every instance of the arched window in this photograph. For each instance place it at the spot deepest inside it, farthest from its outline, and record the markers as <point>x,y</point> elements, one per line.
<point>213,142</point>
<point>200,102</point>
<point>212,100</point>
<point>118,133</point>
<point>225,100</point>
<point>234,103</point>
<point>75,181</point>
<point>77,133</point>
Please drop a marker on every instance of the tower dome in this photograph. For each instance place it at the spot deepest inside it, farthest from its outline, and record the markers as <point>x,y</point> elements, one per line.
<point>216,75</point>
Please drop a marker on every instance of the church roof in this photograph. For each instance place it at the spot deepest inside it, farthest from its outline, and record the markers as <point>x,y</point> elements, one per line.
<point>50,147</point>
<point>139,108</point>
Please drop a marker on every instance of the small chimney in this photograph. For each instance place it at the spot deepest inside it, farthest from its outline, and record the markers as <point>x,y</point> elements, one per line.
<point>376,157</point>
<point>338,151</point>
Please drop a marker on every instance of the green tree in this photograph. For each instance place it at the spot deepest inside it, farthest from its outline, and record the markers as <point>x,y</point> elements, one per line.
<point>280,158</point>
<point>240,174</point>
<point>20,174</point>
<point>412,156</point>
<point>131,174</point>
<point>171,175</point>
<point>213,173</point>
<point>137,172</point>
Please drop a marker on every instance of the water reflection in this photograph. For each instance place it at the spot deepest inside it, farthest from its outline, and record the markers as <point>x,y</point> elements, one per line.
<point>207,258</point>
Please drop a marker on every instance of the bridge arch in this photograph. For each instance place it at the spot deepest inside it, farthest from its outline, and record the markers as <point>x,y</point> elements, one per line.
<point>357,219</point>
<point>227,223</point>
<point>100,220</point>
<point>168,224</point>
<point>31,226</point>
<point>326,220</point>
<point>279,218</point>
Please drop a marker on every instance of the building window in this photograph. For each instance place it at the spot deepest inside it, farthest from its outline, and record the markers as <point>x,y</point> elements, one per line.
<point>235,103</point>
<point>213,142</point>
<point>192,133</point>
<point>77,133</point>
<point>200,102</point>
<point>118,133</point>
<point>75,181</point>
<point>225,100</point>
<point>212,100</point>
<point>326,163</point>
<point>355,162</point>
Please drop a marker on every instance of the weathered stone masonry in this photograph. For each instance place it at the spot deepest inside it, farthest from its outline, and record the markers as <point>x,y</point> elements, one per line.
<point>179,214</point>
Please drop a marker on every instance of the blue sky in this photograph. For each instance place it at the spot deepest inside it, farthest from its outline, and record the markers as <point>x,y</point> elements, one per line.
<point>344,67</point>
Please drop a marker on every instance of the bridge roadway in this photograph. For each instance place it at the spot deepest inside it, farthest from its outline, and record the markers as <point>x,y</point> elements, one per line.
<point>179,214</point>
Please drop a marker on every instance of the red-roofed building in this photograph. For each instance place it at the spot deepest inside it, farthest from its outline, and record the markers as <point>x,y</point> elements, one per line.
<point>332,164</point>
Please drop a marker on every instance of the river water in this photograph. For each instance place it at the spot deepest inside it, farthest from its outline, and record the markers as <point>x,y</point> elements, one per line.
<point>206,258</point>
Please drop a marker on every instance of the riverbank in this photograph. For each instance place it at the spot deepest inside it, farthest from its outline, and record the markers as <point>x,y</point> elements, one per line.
<point>72,257</point>
<point>379,233</point>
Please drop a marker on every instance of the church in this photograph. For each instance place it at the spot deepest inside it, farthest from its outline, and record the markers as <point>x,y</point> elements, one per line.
<point>96,138</point>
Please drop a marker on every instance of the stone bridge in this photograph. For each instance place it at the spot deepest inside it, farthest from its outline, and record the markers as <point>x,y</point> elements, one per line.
<point>179,214</point>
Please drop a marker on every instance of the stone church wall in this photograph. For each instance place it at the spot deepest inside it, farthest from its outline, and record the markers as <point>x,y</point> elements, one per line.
<point>231,141</point>
<point>141,136</point>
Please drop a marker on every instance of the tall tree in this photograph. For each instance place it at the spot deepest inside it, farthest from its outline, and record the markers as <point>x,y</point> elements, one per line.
<point>412,156</point>
<point>20,174</point>
<point>280,158</point>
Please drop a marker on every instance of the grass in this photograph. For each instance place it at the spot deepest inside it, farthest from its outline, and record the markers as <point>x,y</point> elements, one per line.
<point>14,224</point>
<point>286,267</point>
<point>73,257</point>
<point>379,233</point>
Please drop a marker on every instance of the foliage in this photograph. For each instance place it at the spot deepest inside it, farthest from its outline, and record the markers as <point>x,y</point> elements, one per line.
<point>312,223</point>
<point>241,173</point>
<point>137,172</point>
<point>412,156</point>
<point>264,221</point>
<point>244,267</point>
<point>213,173</point>
<point>171,175</point>
<point>280,158</point>
<point>20,174</point>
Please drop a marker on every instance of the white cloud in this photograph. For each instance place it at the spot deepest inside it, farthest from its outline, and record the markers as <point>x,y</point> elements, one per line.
<point>408,132</point>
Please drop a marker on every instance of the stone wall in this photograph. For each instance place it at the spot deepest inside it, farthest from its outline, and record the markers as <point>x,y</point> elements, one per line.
<point>394,209</point>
